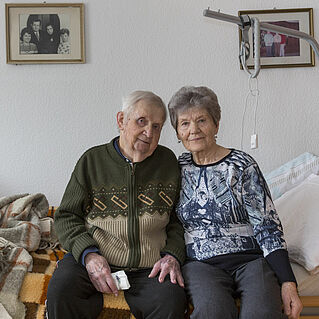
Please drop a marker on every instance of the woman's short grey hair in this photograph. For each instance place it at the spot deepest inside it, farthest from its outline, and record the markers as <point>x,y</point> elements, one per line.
<point>129,102</point>
<point>191,96</point>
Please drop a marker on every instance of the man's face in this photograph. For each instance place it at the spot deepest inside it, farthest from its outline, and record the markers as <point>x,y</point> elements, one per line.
<point>140,130</point>
<point>36,26</point>
<point>50,29</point>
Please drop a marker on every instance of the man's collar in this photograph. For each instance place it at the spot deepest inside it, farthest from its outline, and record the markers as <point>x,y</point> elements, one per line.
<point>117,148</point>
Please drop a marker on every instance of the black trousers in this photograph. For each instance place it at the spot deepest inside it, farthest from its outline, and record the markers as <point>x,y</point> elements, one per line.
<point>213,291</point>
<point>72,295</point>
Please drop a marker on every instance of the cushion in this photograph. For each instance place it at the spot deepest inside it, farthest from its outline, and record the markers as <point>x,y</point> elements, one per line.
<point>291,174</point>
<point>298,210</point>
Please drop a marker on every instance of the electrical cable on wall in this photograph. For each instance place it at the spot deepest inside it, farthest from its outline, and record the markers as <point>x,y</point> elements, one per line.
<point>253,91</point>
<point>245,23</point>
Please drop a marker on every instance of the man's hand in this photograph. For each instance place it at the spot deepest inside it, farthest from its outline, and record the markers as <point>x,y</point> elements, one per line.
<point>290,299</point>
<point>168,265</point>
<point>100,273</point>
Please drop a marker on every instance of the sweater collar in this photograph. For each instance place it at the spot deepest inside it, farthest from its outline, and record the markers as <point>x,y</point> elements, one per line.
<point>117,155</point>
<point>117,148</point>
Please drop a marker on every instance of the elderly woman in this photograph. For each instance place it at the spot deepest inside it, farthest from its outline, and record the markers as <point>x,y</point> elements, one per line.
<point>234,238</point>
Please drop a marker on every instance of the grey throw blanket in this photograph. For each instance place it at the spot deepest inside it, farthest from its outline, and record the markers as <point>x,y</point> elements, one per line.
<point>20,232</point>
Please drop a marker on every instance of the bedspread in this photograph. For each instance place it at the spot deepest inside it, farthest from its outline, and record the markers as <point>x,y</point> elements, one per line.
<point>34,288</point>
<point>20,233</point>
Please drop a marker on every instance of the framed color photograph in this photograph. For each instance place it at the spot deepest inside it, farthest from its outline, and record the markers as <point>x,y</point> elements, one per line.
<point>278,50</point>
<point>45,33</point>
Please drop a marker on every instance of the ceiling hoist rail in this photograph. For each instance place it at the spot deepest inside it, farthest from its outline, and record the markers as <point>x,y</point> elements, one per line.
<point>245,23</point>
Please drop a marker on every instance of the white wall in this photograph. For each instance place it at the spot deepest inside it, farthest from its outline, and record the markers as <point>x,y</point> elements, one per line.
<point>50,114</point>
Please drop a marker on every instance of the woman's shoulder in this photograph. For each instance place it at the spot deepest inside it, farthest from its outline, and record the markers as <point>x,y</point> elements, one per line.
<point>185,159</point>
<point>240,158</point>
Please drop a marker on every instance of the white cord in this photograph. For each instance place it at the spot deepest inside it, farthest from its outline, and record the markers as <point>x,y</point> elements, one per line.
<point>242,122</point>
<point>254,92</point>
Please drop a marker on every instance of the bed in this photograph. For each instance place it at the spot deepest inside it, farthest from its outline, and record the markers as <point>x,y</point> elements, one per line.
<point>33,291</point>
<point>308,286</point>
<point>295,190</point>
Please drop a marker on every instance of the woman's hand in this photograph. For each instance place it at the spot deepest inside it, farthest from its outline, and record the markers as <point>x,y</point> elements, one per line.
<point>168,265</point>
<point>99,273</point>
<point>290,299</point>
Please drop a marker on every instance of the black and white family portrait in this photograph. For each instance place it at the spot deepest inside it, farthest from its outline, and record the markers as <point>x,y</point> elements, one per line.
<point>45,34</point>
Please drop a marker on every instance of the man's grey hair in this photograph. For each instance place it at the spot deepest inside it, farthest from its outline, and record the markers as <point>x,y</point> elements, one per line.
<point>191,96</point>
<point>129,102</point>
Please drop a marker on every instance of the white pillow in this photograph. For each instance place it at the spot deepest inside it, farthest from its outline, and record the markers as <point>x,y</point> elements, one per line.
<point>298,210</point>
<point>291,174</point>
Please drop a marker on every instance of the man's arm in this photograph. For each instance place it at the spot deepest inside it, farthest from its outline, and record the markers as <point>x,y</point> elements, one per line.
<point>168,265</point>
<point>174,253</point>
<point>69,220</point>
<point>175,244</point>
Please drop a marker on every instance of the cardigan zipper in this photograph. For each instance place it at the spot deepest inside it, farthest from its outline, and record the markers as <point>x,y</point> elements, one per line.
<point>133,224</point>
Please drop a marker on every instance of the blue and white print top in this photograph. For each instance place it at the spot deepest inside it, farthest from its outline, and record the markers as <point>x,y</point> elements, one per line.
<point>226,207</point>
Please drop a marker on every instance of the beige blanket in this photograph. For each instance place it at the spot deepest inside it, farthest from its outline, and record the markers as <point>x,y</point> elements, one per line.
<point>20,233</point>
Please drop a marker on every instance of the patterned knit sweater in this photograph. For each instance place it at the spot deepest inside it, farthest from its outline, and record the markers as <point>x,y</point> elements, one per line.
<point>126,210</point>
<point>226,208</point>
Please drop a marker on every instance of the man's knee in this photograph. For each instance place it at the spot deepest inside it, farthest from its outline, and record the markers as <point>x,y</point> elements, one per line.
<point>58,292</point>
<point>171,302</point>
<point>208,309</point>
<point>173,294</point>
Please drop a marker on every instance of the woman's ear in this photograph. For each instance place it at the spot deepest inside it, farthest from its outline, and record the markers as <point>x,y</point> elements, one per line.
<point>120,120</point>
<point>178,136</point>
<point>217,128</point>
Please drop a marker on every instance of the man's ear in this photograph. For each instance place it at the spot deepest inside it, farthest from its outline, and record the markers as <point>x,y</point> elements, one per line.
<point>120,120</point>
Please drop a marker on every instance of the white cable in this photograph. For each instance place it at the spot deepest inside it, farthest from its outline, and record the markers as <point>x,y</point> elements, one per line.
<point>255,111</point>
<point>254,92</point>
<point>242,122</point>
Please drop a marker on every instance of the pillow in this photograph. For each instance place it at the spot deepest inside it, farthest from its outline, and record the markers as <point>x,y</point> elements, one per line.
<point>291,174</point>
<point>298,210</point>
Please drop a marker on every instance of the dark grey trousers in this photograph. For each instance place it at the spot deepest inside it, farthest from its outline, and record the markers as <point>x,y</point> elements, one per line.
<point>71,295</point>
<point>212,291</point>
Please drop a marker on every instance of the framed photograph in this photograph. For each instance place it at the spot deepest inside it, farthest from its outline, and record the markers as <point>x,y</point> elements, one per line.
<point>278,50</point>
<point>45,33</point>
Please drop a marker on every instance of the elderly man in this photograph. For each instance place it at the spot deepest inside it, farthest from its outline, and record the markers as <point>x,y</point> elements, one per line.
<point>118,213</point>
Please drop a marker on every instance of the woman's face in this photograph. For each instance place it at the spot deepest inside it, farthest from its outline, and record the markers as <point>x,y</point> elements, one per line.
<point>64,37</point>
<point>49,29</point>
<point>26,37</point>
<point>196,129</point>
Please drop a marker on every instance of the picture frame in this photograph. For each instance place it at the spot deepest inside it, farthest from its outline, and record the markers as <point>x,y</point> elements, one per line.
<point>281,51</point>
<point>39,33</point>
